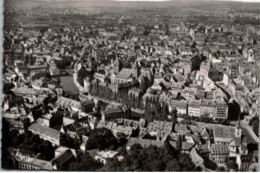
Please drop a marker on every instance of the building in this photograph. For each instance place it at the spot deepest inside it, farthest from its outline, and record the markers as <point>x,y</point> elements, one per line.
<point>127,74</point>
<point>114,112</point>
<point>50,120</point>
<point>219,153</point>
<point>181,128</point>
<point>215,109</point>
<point>180,105</point>
<point>205,67</point>
<point>29,92</point>
<point>196,158</point>
<point>69,103</point>
<point>186,147</point>
<point>103,156</point>
<point>47,133</point>
<point>223,134</point>
<point>29,161</point>
<point>143,142</point>
<point>17,121</point>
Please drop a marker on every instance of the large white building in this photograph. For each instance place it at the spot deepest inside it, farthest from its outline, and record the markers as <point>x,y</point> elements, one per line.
<point>214,109</point>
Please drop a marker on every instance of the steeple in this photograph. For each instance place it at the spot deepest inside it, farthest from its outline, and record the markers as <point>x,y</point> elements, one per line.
<point>238,129</point>
<point>117,64</point>
<point>238,123</point>
<point>136,70</point>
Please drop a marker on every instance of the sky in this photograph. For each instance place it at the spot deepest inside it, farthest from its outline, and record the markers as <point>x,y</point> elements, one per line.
<point>107,3</point>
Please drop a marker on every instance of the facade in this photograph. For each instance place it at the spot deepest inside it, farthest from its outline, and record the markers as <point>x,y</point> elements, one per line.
<point>213,109</point>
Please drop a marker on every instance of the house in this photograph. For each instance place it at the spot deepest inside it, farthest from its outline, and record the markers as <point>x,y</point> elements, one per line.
<point>186,147</point>
<point>29,92</point>
<point>246,161</point>
<point>76,129</point>
<point>180,128</point>
<point>17,121</point>
<point>103,156</point>
<point>50,120</point>
<point>180,105</point>
<point>40,99</point>
<point>122,129</point>
<point>84,142</point>
<point>68,120</point>
<point>143,142</point>
<point>47,133</point>
<point>196,158</point>
<point>127,74</point>
<point>92,120</point>
<point>100,76</point>
<point>219,153</point>
<point>223,134</point>
<point>63,156</point>
<point>106,124</point>
<point>113,112</point>
<point>203,150</point>
<point>69,103</point>
<point>26,161</point>
<point>205,135</point>
<point>88,105</point>
<point>195,129</point>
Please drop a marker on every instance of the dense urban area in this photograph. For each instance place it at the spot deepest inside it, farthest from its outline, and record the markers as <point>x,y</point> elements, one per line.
<point>131,88</point>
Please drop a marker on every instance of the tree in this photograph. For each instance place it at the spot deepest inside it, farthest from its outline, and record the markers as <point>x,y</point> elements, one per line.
<point>254,123</point>
<point>74,166</point>
<point>101,138</point>
<point>47,150</point>
<point>113,165</point>
<point>255,127</point>
<point>232,166</point>
<point>7,87</point>
<point>220,169</point>
<point>174,166</point>
<point>84,163</point>
<point>186,162</point>
<point>157,165</point>
<point>14,133</point>
<point>6,137</point>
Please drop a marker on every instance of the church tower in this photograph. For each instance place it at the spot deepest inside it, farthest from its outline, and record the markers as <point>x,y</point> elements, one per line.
<point>117,65</point>
<point>136,70</point>
<point>238,130</point>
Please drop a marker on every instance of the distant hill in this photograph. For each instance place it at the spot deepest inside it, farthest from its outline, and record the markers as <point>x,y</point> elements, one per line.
<point>126,4</point>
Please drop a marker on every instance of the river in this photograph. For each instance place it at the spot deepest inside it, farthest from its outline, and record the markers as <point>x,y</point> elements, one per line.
<point>68,84</point>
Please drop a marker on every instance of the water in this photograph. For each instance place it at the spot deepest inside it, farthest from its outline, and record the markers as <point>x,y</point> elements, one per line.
<point>68,85</point>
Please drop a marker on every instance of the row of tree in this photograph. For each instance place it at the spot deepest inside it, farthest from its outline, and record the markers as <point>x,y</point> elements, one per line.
<point>151,158</point>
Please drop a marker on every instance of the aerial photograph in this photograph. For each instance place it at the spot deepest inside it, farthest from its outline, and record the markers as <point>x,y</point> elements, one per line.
<point>130,85</point>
